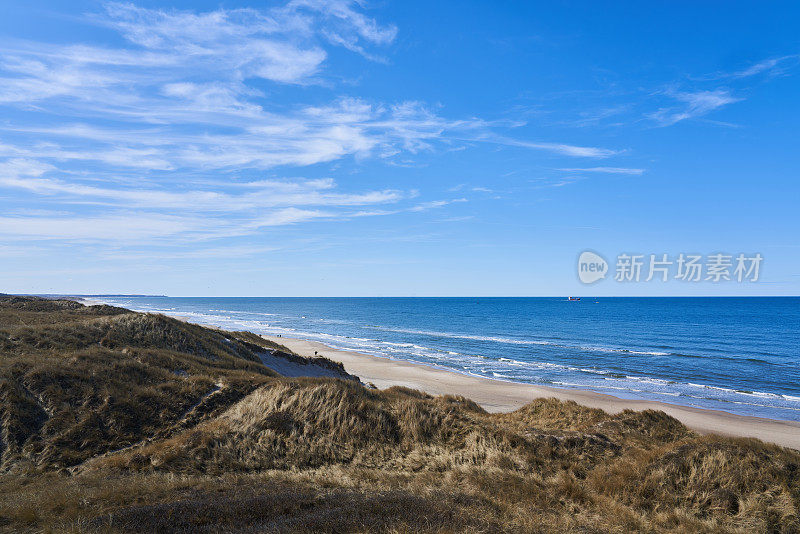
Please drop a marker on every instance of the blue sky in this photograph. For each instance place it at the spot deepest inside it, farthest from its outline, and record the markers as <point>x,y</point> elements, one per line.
<point>326,147</point>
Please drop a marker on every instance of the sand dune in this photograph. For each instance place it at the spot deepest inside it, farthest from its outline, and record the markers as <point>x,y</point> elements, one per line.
<point>501,396</point>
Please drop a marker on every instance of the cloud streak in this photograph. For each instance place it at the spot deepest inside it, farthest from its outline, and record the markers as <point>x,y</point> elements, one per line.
<point>768,66</point>
<point>198,213</point>
<point>188,92</point>
<point>556,148</point>
<point>692,105</point>
<point>607,170</point>
<point>118,138</point>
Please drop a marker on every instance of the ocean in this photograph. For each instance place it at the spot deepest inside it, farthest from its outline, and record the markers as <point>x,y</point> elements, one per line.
<point>739,355</point>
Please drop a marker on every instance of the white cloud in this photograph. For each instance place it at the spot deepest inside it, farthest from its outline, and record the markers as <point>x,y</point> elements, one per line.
<point>609,170</point>
<point>571,150</point>
<point>158,214</point>
<point>26,175</point>
<point>346,26</point>
<point>118,228</point>
<point>181,94</point>
<point>561,181</point>
<point>288,216</point>
<point>236,251</point>
<point>189,96</point>
<point>557,148</point>
<point>424,206</point>
<point>770,65</point>
<point>694,104</point>
<point>243,42</point>
<point>281,44</point>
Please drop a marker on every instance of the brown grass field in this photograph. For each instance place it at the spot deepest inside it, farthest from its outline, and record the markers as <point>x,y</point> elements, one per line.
<point>115,421</point>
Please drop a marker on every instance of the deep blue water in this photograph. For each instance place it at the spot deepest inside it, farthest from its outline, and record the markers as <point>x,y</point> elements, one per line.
<point>741,355</point>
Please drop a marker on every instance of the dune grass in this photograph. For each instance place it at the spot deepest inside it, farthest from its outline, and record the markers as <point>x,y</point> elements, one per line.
<point>114,421</point>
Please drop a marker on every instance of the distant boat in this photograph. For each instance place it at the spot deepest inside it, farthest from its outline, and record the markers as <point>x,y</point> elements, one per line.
<point>573,298</point>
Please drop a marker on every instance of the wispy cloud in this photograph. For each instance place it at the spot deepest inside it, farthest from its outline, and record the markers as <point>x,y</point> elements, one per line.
<point>123,227</point>
<point>114,137</point>
<point>768,66</point>
<point>181,93</point>
<point>278,44</point>
<point>200,213</point>
<point>608,170</point>
<point>557,148</point>
<point>692,105</point>
<point>346,26</point>
<point>550,181</point>
<point>25,174</point>
<point>226,252</point>
<point>179,96</point>
<point>424,206</point>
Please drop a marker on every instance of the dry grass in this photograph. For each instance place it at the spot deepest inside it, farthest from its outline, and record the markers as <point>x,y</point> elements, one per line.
<point>223,445</point>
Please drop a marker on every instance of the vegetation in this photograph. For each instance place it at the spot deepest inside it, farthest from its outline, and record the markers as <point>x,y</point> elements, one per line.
<point>127,422</point>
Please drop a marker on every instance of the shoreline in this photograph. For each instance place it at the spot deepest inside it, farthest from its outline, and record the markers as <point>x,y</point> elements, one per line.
<point>505,396</point>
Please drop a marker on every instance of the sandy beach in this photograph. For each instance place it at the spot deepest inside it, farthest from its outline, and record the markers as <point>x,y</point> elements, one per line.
<point>501,396</point>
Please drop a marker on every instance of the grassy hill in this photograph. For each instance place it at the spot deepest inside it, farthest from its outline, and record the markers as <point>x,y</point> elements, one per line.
<point>127,422</point>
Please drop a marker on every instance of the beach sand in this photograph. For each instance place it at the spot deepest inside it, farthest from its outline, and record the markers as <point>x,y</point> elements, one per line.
<point>501,396</point>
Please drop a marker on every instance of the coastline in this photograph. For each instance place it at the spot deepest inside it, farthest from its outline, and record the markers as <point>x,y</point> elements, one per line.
<point>503,396</point>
